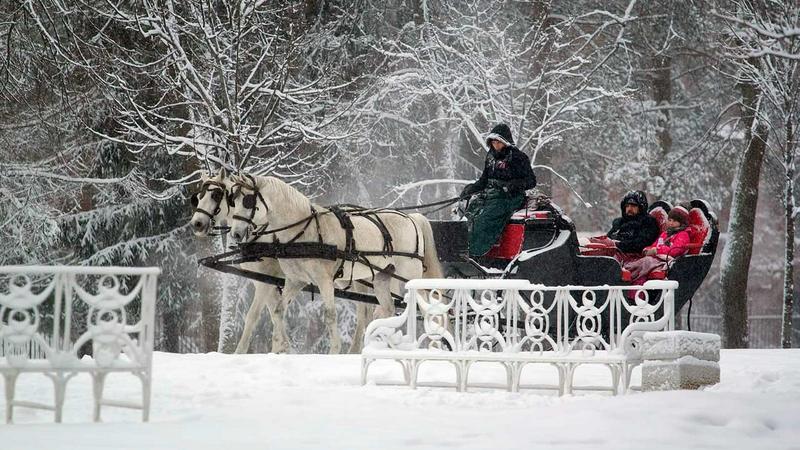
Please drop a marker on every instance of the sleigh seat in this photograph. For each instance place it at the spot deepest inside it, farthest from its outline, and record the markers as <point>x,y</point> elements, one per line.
<point>512,240</point>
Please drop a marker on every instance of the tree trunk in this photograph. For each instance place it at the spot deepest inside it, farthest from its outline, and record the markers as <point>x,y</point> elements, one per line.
<point>788,272</point>
<point>662,96</point>
<point>739,247</point>
<point>229,288</point>
<point>172,330</point>
<point>227,313</point>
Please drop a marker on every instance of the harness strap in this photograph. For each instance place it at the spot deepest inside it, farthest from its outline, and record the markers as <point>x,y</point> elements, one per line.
<point>349,244</point>
<point>316,222</point>
<point>203,211</point>
<point>387,238</point>
<point>303,230</point>
<point>256,251</point>
<point>314,213</point>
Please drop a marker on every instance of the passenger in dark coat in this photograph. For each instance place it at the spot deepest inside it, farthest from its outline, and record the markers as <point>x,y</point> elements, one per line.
<point>507,174</point>
<point>636,229</point>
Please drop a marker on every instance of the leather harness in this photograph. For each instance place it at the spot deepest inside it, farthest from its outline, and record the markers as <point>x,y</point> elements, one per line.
<point>255,251</point>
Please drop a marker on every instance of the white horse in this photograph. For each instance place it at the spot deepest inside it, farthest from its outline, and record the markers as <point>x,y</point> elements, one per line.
<point>267,203</point>
<point>212,206</point>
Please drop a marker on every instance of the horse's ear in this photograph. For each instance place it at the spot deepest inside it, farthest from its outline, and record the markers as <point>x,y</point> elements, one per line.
<point>223,173</point>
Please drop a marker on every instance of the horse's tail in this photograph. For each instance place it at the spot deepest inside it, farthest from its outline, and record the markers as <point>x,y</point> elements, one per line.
<point>430,262</point>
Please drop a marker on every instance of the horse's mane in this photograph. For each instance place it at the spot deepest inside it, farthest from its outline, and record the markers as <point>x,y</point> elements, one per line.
<point>272,187</point>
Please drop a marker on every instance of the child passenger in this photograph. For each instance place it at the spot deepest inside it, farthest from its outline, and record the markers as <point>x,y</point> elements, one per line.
<point>672,243</point>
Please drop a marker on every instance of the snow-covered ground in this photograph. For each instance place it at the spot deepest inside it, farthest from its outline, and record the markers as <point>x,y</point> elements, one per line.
<point>216,401</point>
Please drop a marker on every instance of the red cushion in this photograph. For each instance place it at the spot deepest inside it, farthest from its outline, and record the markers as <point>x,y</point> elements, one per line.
<point>598,245</point>
<point>657,275</point>
<point>699,229</point>
<point>510,243</point>
<point>661,217</point>
<point>523,214</point>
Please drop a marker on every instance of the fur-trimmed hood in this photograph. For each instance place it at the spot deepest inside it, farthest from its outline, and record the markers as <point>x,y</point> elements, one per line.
<point>502,133</point>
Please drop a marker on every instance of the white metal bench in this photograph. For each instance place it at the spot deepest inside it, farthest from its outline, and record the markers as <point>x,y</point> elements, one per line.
<point>49,315</point>
<point>515,323</point>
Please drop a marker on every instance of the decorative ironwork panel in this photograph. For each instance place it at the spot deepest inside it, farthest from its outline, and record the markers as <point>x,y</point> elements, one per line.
<point>52,316</point>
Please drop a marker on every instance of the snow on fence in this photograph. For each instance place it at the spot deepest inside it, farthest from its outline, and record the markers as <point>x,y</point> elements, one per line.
<point>515,323</point>
<point>53,317</point>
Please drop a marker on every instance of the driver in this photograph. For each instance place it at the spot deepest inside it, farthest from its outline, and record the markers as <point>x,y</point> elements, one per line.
<point>507,174</point>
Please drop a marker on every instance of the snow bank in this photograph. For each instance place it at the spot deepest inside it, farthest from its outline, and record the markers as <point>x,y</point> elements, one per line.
<point>213,401</point>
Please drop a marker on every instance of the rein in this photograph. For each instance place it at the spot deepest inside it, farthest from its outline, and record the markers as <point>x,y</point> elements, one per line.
<point>351,209</point>
<point>444,203</point>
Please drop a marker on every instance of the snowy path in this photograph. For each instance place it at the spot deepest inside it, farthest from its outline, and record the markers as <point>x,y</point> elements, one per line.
<point>216,401</point>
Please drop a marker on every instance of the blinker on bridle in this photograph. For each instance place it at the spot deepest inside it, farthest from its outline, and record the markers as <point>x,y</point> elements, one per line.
<point>249,201</point>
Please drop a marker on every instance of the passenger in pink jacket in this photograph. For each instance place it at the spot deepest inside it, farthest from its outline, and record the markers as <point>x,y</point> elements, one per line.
<point>671,244</point>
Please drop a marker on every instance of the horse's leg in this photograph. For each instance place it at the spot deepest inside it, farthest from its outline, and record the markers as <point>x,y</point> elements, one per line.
<point>364,314</point>
<point>326,291</point>
<point>261,294</point>
<point>277,309</point>
<point>383,286</point>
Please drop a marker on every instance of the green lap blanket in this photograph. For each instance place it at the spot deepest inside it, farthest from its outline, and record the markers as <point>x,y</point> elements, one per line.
<point>488,214</point>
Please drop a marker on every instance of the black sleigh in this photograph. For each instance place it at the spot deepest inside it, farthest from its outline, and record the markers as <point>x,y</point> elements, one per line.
<point>540,244</point>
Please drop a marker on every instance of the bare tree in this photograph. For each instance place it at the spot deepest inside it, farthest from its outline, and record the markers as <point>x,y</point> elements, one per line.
<point>770,48</point>
<point>470,65</point>
<point>746,54</point>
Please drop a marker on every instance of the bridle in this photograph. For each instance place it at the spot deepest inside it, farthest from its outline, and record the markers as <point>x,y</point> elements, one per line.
<point>249,201</point>
<point>217,190</point>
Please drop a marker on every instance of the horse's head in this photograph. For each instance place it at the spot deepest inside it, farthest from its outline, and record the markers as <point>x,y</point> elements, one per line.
<point>209,201</point>
<point>249,208</point>
<point>263,203</point>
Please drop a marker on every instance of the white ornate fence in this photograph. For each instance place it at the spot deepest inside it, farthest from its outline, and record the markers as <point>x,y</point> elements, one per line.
<point>51,316</point>
<point>516,323</point>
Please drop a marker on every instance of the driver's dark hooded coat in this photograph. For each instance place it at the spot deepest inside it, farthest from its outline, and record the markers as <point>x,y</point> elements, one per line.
<point>507,174</point>
<point>637,232</point>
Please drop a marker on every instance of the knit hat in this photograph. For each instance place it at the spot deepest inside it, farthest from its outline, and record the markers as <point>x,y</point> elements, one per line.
<point>501,132</point>
<point>680,215</point>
